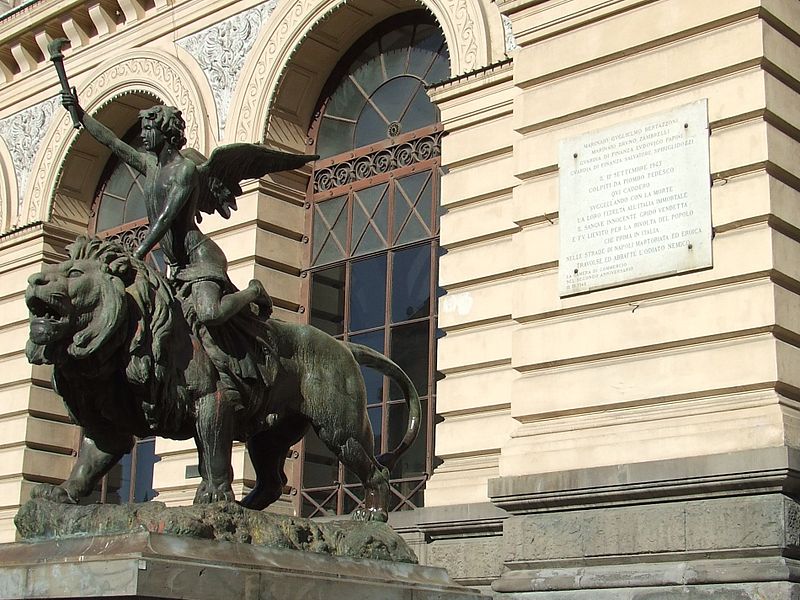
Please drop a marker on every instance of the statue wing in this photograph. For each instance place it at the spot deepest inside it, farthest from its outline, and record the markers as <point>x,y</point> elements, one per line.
<point>229,165</point>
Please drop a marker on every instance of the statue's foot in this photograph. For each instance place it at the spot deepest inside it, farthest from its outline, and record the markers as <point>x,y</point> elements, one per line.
<point>261,497</point>
<point>370,514</point>
<point>262,298</point>
<point>208,493</point>
<point>54,493</point>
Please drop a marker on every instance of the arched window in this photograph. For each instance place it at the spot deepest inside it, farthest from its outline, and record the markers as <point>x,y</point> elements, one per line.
<point>374,244</point>
<point>119,213</point>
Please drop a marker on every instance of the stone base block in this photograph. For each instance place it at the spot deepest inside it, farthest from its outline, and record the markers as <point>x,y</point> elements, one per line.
<point>721,527</point>
<point>155,566</point>
<point>735,591</point>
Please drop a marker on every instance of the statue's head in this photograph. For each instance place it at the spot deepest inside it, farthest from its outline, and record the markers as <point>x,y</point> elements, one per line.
<point>162,125</point>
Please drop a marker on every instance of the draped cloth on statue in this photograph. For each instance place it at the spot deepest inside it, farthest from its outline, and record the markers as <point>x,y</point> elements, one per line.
<point>242,349</point>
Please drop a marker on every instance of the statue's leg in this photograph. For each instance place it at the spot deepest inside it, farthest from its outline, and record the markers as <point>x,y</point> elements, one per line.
<point>98,453</point>
<point>214,437</point>
<point>214,308</point>
<point>357,456</point>
<point>268,451</point>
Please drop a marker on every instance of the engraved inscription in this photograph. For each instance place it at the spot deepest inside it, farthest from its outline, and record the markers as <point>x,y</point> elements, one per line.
<point>635,201</point>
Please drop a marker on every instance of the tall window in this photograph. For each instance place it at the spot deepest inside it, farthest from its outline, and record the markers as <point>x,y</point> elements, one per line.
<point>119,213</point>
<point>373,253</point>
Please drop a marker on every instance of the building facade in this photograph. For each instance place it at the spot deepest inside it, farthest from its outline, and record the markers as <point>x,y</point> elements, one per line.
<point>572,444</point>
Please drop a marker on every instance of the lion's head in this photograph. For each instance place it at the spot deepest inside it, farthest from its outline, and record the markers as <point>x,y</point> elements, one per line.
<point>103,303</point>
<point>78,305</point>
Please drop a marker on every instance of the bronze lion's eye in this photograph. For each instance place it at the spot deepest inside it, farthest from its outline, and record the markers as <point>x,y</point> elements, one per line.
<point>74,273</point>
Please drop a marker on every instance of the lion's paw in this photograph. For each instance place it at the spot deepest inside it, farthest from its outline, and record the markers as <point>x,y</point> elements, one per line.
<point>370,514</point>
<point>54,493</point>
<point>208,493</point>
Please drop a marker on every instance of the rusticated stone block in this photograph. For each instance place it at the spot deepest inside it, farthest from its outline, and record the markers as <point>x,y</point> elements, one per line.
<point>734,523</point>
<point>668,528</point>
<point>468,558</point>
<point>635,530</point>
<point>611,531</point>
<point>544,536</point>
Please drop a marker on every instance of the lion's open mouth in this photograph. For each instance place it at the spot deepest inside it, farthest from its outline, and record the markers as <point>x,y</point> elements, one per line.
<point>49,318</point>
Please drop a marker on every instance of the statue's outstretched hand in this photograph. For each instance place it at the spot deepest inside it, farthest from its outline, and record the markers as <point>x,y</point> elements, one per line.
<point>70,99</point>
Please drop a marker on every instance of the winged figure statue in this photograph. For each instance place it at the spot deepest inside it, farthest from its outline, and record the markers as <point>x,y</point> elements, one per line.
<point>180,184</point>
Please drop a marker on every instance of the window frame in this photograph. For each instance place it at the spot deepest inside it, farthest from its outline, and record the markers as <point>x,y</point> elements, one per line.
<point>345,484</point>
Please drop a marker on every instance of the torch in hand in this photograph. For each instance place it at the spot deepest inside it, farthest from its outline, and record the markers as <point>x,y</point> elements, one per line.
<point>54,48</point>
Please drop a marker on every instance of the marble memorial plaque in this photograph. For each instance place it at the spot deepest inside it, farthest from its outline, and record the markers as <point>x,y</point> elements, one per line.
<point>635,201</point>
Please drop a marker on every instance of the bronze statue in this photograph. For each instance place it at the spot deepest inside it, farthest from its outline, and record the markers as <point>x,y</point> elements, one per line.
<point>136,354</point>
<point>128,362</point>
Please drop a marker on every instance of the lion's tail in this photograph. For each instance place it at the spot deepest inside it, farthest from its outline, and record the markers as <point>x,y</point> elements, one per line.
<point>368,357</point>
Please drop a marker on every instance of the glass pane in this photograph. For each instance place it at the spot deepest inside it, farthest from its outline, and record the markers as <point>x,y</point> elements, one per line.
<point>371,127</point>
<point>369,76</point>
<point>120,181</point>
<point>373,380</point>
<point>439,71</point>
<point>370,219</point>
<point>334,137</point>
<point>369,54</point>
<point>412,490</point>
<point>393,98</point>
<point>409,349</point>
<point>375,415</point>
<point>368,293</point>
<point>411,283</point>
<point>346,102</point>
<point>330,230</point>
<point>110,213</point>
<point>420,62</point>
<point>327,300</point>
<point>395,46</point>
<point>135,207</point>
<point>376,421</point>
<point>326,498</point>
<point>428,38</point>
<point>145,460</point>
<point>123,493</point>
<point>350,503</point>
<point>320,467</point>
<point>413,461</point>
<point>413,196</point>
<point>421,112</point>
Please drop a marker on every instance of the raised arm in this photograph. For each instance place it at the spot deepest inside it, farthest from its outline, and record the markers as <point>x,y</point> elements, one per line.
<point>105,136</point>
<point>181,186</point>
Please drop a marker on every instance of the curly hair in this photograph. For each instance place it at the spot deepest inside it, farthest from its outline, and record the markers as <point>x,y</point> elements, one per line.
<point>169,121</point>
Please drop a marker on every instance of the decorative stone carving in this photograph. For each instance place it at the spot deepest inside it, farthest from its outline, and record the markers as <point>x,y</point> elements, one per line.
<point>23,133</point>
<point>465,26</point>
<point>221,49</point>
<point>511,41</point>
<point>149,73</point>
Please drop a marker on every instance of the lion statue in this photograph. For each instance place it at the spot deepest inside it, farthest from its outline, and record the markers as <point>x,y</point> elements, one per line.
<point>130,360</point>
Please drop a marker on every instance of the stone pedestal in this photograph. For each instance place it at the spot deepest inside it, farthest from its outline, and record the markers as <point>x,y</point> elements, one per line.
<point>154,566</point>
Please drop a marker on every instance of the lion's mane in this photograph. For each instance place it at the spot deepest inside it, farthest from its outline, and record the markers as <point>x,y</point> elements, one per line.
<point>153,307</point>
